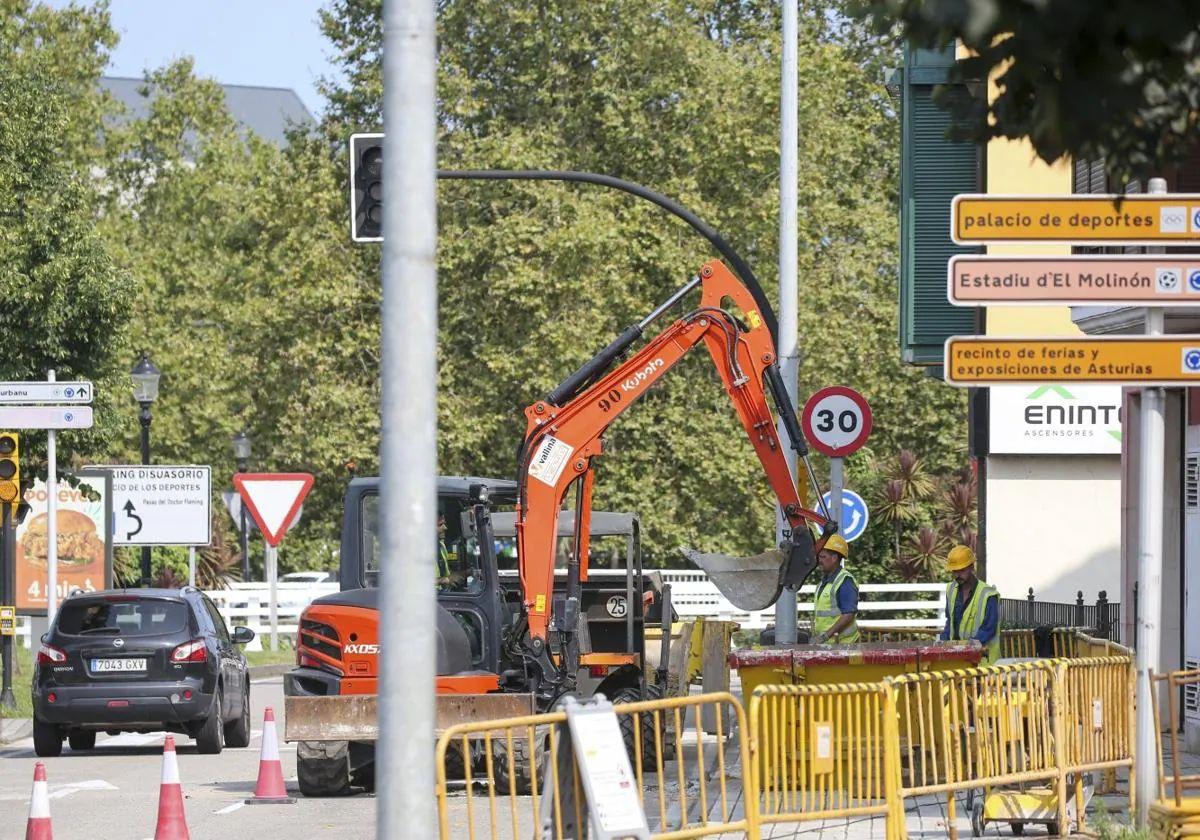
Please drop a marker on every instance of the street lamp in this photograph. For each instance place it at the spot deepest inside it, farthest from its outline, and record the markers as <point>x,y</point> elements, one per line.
<point>144,377</point>
<point>241,452</point>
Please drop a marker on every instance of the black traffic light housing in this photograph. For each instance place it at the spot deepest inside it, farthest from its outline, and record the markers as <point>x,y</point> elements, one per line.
<point>366,187</point>
<point>10,469</point>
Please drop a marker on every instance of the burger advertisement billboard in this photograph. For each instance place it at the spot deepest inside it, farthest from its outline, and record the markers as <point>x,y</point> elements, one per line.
<point>84,546</point>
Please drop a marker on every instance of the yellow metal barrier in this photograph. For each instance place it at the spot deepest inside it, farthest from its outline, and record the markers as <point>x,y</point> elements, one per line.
<point>1017,644</point>
<point>1098,718</point>
<point>898,634</point>
<point>1066,643</point>
<point>820,752</point>
<point>975,729</point>
<point>683,775</point>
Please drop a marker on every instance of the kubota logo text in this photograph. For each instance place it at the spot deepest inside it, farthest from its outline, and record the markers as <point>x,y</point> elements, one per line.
<point>370,649</point>
<point>635,381</point>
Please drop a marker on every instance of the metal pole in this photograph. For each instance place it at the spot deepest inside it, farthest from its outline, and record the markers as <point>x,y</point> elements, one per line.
<point>789,362</point>
<point>837,480</point>
<point>191,565</point>
<point>144,418</point>
<point>8,597</point>
<point>408,409</point>
<point>51,520</point>
<point>1150,562</point>
<point>244,532</point>
<point>244,538</point>
<point>271,568</point>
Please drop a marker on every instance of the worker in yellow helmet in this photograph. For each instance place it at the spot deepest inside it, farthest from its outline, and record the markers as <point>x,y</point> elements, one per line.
<point>836,606</point>
<point>972,606</point>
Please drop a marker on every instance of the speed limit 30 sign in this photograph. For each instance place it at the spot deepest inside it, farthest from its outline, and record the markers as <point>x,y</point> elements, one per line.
<point>836,421</point>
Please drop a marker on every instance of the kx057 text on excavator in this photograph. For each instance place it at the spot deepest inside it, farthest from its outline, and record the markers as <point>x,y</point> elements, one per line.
<point>509,647</point>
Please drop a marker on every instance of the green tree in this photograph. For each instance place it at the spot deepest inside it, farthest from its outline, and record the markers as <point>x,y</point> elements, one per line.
<point>1117,81</point>
<point>535,278</point>
<point>261,312</point>
<point>66,303</point>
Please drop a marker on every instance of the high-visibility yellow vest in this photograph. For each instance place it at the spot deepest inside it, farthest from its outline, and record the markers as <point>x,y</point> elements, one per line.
<point>972,617</point>
<point>826,612</point>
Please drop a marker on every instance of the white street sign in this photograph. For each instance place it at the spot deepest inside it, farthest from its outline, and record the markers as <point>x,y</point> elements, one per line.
<point>45,417</point>
<point>233,504</point>
<point>161,505</point>
<point>24,393</point>
<point>273,499</point>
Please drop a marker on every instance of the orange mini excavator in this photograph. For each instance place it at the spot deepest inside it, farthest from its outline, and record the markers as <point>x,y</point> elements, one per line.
<point>511,645</point>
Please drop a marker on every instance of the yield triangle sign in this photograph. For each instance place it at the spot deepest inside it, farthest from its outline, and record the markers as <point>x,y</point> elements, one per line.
<point>273,500</point>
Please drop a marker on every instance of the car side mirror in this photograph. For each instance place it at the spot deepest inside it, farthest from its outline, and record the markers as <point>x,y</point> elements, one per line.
<point>242,635</point>
<point>45,638</point>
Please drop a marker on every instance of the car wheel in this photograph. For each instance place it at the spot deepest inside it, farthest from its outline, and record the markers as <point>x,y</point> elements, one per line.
<point>47,739</point>
<point>237,731</point>
<point>81,740</point>
<point>209,737</point>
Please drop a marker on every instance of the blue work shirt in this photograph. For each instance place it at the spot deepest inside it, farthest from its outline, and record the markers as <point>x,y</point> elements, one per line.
<point>847,594</point>
<point>991,617</point>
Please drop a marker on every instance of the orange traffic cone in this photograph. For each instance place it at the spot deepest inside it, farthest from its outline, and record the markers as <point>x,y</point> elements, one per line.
<point>270,789</point>
<point>38,827</point>
<point>172,825</point>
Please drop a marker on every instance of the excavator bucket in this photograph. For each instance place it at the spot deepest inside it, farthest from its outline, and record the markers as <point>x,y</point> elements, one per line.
<point>755,583</point>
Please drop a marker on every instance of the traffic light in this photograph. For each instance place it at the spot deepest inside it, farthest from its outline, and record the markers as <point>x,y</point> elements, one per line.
<point>366,187</point>
<point>10,468</point>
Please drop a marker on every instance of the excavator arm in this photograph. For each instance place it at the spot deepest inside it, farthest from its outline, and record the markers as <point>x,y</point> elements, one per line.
<point>564,432</point>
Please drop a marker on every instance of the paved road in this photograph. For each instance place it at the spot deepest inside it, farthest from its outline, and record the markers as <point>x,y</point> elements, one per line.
<point>112,791</point>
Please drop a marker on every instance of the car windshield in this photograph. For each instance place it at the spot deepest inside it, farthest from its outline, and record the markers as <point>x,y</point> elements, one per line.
<point>135,617</point>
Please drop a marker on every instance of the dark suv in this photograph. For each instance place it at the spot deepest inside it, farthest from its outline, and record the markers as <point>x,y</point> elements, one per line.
<point>141,660</point>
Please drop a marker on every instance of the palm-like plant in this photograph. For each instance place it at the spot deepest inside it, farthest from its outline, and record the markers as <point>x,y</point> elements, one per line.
<point>896,510</point>
<point>219,563</point>
<point>923,556</point>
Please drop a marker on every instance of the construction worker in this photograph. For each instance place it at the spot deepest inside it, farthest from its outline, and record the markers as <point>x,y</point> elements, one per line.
<point>447,577</point>
<point>836,604</point>
<point>972,606</point>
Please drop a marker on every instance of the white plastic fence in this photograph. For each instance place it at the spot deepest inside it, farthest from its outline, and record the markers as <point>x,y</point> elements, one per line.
<point>692,596</point>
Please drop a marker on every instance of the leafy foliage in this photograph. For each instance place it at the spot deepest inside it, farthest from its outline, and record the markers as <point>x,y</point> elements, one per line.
<point>261,313</point>
<point>1118,81</point>
<point>66,303</point>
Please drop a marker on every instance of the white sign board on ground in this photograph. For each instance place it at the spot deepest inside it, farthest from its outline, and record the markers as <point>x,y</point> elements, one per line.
<point>273,499</point>
<point>161,505</point>
<point>1066,419</point>
<point>45,417</point>
<point>24,393</point>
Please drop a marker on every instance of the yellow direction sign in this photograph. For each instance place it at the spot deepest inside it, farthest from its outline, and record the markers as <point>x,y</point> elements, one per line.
<point>1136,220</point>
<point>980,360</point>
<point>8,621</point>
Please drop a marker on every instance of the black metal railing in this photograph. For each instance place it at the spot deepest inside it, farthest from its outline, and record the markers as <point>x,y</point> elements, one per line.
<point>1102,619</point>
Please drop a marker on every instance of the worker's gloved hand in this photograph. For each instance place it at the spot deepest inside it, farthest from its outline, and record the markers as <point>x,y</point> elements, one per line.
<point>820,639</point>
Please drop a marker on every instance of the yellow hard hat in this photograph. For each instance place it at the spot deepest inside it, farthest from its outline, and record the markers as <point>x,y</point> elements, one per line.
<point>959,558</point>
<point>837,545</point>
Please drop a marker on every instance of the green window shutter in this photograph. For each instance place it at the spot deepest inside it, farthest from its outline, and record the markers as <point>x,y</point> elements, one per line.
<point>934,170</point>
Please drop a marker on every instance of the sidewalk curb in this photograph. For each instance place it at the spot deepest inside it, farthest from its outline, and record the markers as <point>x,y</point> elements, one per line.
<point>15,729</point>
<point>259,672</point>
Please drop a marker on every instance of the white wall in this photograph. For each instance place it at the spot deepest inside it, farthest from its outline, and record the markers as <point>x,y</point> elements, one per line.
<point>1054,523</point>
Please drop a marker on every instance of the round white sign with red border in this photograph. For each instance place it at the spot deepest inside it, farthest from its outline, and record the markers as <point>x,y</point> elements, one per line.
<point>836,421</point>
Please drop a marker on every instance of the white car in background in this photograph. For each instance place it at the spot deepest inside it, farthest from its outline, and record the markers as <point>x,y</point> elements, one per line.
<point>309,577</point>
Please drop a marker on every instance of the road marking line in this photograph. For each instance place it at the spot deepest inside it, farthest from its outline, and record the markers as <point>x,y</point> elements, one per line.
<point>229,809</point>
